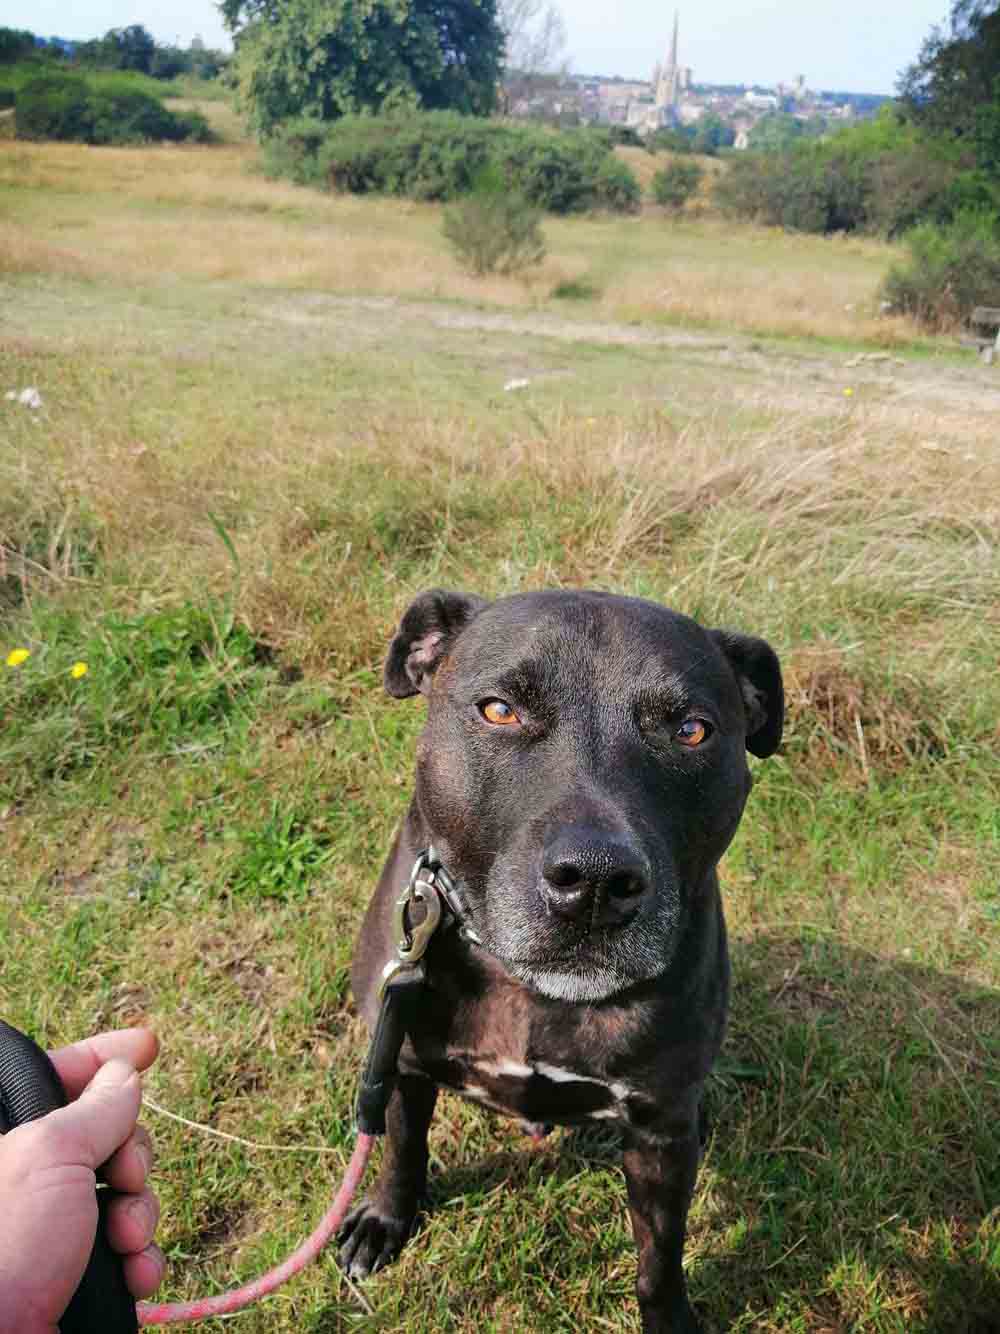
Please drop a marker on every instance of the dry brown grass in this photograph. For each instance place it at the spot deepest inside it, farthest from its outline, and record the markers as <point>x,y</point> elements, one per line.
<point>223,120</point>
<point>22,252</point>
<point>764,299</point>
<point>644,167</point>
<point>648,268</point>
<point>836,714</point>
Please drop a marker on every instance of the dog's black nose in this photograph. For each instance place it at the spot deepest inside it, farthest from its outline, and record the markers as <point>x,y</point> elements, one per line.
<point>590,873</point>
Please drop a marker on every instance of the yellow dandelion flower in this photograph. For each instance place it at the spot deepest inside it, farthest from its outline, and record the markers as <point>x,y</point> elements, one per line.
<point>78,669</point>
<point>848,393</point>
<point>18,655</point>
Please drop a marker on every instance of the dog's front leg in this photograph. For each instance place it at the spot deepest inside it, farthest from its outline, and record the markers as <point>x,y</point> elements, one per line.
<point>660,1175</point>
<point>374,1234</point>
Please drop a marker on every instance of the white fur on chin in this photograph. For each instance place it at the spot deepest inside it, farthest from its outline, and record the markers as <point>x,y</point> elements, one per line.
<point>596,985</point>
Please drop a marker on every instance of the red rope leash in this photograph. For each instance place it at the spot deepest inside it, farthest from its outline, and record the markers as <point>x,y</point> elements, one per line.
<point>176,1313</point>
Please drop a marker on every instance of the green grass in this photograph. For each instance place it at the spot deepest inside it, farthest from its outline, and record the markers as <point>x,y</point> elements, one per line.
<point>191,87</point>
<point>232,489</point>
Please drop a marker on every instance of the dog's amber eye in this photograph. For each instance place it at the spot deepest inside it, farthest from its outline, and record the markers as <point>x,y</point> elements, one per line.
<point>692,733</point>
<point>497,712</point>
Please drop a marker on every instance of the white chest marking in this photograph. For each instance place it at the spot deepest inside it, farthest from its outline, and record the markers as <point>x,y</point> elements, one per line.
<point>480,1095</point>
<point>554,1074</point>
<point>505,1069</point>
<point>558,1076</point>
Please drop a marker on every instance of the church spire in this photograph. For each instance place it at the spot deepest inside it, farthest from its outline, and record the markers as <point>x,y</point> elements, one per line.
<point>668,84</point>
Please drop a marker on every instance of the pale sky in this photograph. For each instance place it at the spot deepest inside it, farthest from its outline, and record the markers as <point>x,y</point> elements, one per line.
<point>854,45</point>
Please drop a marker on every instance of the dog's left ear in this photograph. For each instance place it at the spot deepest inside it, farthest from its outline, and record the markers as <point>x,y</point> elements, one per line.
<point>758,674</point>
<point>430,625</point>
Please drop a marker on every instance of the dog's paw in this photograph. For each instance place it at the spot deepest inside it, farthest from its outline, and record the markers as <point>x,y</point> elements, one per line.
<point>370,1240</point>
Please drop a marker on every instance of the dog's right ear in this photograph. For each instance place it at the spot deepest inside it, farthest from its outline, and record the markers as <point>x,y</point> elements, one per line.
<point>430,625</point>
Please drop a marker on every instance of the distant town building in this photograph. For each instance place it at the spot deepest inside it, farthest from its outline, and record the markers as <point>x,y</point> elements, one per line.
<point>690,112</point>
<point>671,99</point>
<point>761,101</point>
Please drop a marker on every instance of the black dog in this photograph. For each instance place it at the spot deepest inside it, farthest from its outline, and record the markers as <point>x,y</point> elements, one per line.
<point>580,775</point>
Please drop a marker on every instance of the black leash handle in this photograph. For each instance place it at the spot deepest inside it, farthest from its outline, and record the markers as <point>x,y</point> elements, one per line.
<point>399,1001</point>
<point>29,1088</point>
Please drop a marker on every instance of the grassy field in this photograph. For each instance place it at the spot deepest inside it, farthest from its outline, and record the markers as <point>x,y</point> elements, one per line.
<point>269,417</point>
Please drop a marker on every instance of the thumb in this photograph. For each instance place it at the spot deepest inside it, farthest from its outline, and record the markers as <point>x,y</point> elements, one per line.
<point>87,1132</point>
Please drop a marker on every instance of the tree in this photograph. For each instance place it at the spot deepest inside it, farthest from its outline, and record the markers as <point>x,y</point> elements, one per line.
<point>132,47</point>
<point>236,14</point>
<point>168,62</point>
<point>535,36</point>
<point>329,58</point>
<point>120,48</point>
<point>15,44</point>
<point>953,77</point>
<point>777,131</point>
<point>711,134</point>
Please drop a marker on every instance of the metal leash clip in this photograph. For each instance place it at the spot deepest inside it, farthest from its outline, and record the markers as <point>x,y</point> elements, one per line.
<point>411,941</point>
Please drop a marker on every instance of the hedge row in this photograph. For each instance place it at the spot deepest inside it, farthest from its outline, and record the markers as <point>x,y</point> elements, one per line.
<point>439,155</point>
<point>882,176</point>
<point>98,109</point>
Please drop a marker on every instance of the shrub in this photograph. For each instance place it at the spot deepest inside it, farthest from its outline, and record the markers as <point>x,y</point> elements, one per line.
<point>970,192</point>
<point>15,44</point>
<point>576,289</point>
<point>675,184</point>
<point>674,140</point>
<point>616,186</point>
<point>623,135</point>
<point>950,270</point>
<point>495,230</point>
<point>438,155</point>
<point>293,153</point>
<point>195,129</point>
<point>564,173</point>
<point>881,177</point>
<point>796,190</point>
<point>99,109</point>
<point>122,114</point>
<point>53,106</point>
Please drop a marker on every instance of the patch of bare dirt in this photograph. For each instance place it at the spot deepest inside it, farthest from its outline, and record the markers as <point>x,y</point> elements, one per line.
<point>781,377</point>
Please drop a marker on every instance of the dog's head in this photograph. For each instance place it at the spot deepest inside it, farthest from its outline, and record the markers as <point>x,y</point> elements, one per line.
<point>582,771</point>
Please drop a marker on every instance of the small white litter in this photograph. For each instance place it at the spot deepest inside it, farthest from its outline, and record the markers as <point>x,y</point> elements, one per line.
<point>515,384</point>
<point>28,398</point>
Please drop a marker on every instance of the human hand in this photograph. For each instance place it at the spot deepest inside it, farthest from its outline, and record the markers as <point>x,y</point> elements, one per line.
<point>48,1204</point>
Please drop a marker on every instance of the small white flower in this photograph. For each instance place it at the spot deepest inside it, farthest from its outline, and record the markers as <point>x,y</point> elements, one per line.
<point>515,384</point>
